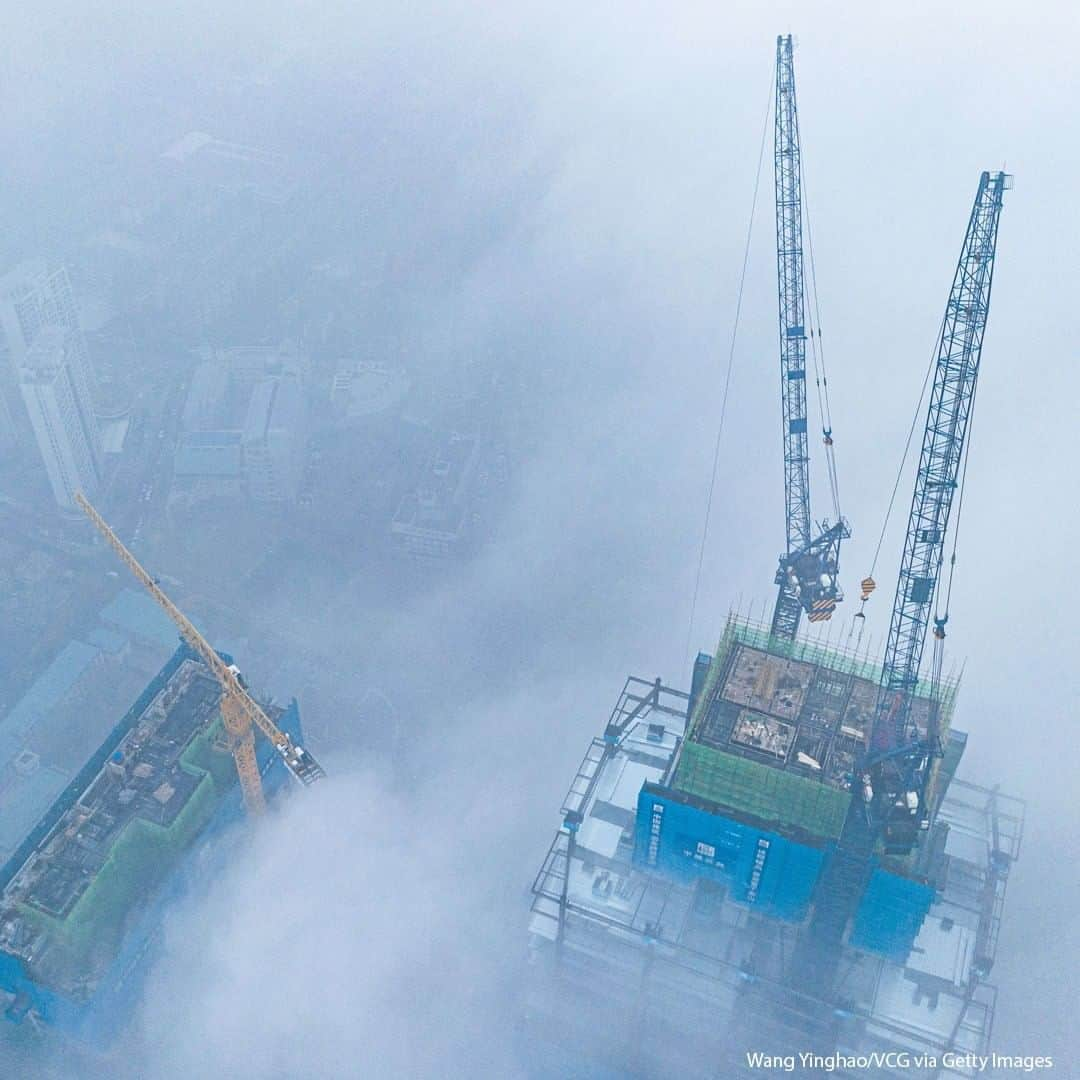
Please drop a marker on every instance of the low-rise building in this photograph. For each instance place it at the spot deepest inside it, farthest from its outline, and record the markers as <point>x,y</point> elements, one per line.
<point>244,427</point>
<point>435,519</point>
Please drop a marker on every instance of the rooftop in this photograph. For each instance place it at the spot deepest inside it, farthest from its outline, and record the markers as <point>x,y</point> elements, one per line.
<point>47,690</point>
<point>367,389</point>
<point>106,640</point>
<point>777,728</point>
<point>230,167</point>
<point>276,404</point>
<point>203,408</point>
<point>239,398</point>
<point>439,503</point>
<point>58,722</point>
<point>136,615</point>
<point>113,434</point>
<point>64,909</point>
<point>46,355</point>
<point>209,453</point>
<point>198,143</point>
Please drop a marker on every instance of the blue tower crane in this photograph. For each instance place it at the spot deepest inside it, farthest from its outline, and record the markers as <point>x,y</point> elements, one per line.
<point>890,801</point>
<point>901,756</point>
<point>807,575</point>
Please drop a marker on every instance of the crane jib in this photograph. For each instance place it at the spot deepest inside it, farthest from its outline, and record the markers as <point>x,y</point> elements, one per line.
<point>808,575</point>
<point>298,760</point>
<point>901,752</point>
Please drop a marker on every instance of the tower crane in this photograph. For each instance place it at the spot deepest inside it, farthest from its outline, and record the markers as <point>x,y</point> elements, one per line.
<point>240,712</point>
<point>899,766</point>
<point>890,802</point>
<point>809,568</point>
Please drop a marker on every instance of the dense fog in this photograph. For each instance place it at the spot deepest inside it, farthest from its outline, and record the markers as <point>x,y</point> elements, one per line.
<point>534,217</point>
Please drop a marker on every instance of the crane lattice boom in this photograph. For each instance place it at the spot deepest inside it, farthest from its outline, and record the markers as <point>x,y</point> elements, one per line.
<point>808,570</point>
<point>239,710</point>
<point>951,399</point>
<point>787,164</point>
<point>903,753</point>
<point>890,792</point>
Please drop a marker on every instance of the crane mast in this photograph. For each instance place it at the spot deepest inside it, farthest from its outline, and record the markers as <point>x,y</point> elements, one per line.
<point>787,169</point>
<point>807,575</point>
<point>240,712</point>
<point>899,752</point>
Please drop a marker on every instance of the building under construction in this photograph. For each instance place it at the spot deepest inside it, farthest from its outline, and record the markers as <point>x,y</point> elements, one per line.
<point>81,898</point>
<point>780,869</point>
<point>82,894</point>
<point>670,917</point>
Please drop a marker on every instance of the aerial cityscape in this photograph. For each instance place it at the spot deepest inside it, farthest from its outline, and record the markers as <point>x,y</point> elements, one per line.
<point>382,391</point>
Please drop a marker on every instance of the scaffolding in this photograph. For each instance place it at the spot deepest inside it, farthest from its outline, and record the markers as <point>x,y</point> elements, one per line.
<point>633,968</point>
<point>778,728</point>
<point>835,656</point>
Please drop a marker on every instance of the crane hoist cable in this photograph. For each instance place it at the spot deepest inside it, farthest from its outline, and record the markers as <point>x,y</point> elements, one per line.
<point>817,352</point>
<point>727,375</point>
<point>868,583</point>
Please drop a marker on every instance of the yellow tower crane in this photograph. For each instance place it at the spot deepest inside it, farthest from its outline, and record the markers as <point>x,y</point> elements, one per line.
<point>240,712</point>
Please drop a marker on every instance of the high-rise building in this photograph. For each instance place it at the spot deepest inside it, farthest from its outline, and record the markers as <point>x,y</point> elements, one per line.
<point>54,389</point>
<point>33,296</point>
<point>99,837</point>
<point>683,924</point>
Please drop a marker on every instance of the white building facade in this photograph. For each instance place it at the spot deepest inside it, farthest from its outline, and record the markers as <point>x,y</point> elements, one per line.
<point>57,399</point>
<point>273,439</point>
<point>34,296</point>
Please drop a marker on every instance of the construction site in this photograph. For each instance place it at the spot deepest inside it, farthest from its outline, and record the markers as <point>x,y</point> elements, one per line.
<point>80,882</point>
<point>82,895</point>
<point>675,899</point>
<point>779,867</point>
<point>775,855</point>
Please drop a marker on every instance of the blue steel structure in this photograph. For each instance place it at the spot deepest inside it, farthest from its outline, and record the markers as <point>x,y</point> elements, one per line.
<point>901,757</point>
<point>807,575</point>
<point>772,873</point>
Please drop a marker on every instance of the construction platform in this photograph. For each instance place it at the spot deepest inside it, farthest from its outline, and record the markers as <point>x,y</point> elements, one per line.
<point>82,897</point>
<point>778,727</point>
<point>669,911</point>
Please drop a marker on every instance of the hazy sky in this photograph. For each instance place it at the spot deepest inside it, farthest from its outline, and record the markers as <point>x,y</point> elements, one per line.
<point>381,920</point>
